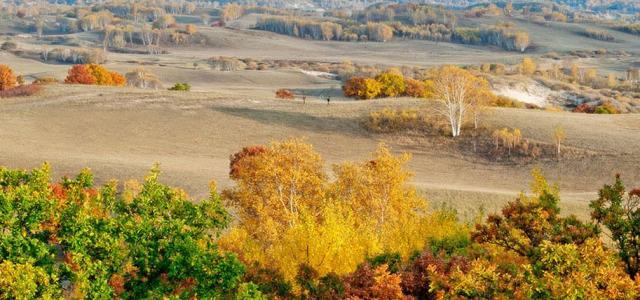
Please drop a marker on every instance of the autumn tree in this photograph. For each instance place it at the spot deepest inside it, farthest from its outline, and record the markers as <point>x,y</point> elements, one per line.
<point>527,66</point>
<point>392,83</point>
<point>362,88</point>
<point>619,212</point>
<point>190,29</point>
<point>80,74</point>
<point>458,91</point>
<point>94,74</point>
<point>72,239</point>
<point>379,32</point>
<point>275,186</point>
<point>7,78</point>
<point>526,223</point>
<point>415,88</point>
<point>377,189</point>
<point>521,40</point>
<point>26,281</point>
<point>289,213</point>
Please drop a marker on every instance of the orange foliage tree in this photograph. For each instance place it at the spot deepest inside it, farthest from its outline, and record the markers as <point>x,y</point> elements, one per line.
<point>7,78</point>
<point>94,74</point>
<point>362,88</point>
<point>80,74</point>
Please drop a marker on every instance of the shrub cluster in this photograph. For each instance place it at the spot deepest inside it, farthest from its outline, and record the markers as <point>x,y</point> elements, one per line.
<point>629,28</point>
<point>390,83</point>
<point>604,108</point>
<point>599,35</point>
<point>94,74</point>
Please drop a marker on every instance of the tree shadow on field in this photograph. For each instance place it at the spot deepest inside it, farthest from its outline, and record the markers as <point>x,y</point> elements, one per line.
<point>298,120</point>
<point>320,93</point>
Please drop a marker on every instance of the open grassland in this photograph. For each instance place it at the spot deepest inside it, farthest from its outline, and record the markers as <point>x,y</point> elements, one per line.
<point>120,133</point>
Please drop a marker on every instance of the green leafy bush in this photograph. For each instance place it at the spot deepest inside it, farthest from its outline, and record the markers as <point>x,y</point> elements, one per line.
<point>180,87</point>
<point>147,240</point>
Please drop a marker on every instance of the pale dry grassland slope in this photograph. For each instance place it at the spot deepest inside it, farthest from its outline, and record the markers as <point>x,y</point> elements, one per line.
<point>120,133</point>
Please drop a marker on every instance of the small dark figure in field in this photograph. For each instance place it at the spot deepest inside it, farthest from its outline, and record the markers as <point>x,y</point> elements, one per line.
<point>304,99</point>
<point>328,100</point>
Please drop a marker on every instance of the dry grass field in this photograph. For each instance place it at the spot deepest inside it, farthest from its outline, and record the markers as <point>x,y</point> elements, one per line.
<point>120,133</point>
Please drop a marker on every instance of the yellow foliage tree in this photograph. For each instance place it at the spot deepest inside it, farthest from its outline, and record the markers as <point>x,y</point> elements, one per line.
<point>392,83</point>
<point>527,66</point>
<point>275,187</point>
<point>459,91</point>
<point>290,214</point>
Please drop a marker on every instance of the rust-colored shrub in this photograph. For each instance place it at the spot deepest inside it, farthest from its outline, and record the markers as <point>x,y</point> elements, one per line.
<point>414,88</point>
<point>284,94</point>
<point>80,74</point>
<point>583,108</point>
<point>21,91</point>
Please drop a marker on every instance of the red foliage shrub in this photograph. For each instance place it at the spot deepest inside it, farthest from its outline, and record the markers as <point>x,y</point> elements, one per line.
<point>21,91</point>
<point>285,94</point>
<point>235,159</point>
<point>415,88</point>
<point>372,283</point>
<point>416,279</point>
<point>583,108</point>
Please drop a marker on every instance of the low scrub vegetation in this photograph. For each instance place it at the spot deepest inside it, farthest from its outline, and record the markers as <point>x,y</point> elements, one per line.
<point>363,232</point>
<point>599,35</point>
<point>46,80</point>
<point>184,87</point>
<point>285,94</point>
<point>144,79</point>
<point>21,91</point>
<point>629,28</point>
<point>391,121</point>
<point>12,85</point>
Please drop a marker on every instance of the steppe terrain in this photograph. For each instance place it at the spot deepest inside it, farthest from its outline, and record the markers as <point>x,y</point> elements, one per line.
<point>121,132</point>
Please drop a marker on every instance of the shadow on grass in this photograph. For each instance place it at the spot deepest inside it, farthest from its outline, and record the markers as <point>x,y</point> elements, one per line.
<point>298,120</point>
<point>321,93</point>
